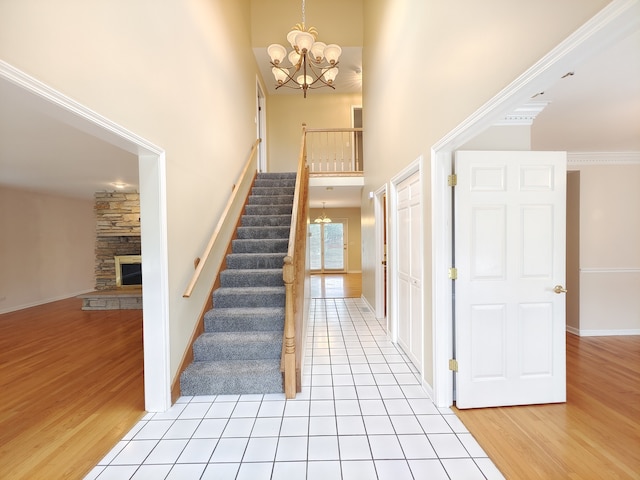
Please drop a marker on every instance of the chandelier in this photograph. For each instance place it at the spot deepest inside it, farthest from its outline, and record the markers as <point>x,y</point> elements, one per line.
<point>313,64</point>
<point>322,218</point>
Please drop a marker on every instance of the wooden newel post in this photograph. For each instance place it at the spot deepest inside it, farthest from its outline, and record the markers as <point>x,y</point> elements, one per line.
<point>288,275</point>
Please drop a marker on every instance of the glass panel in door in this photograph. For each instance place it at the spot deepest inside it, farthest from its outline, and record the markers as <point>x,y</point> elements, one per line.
<point>327,247</point>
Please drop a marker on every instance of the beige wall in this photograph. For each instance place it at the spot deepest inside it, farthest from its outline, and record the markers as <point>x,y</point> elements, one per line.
<point>179,73</point>
<point>337,21</point>
<point>287,113</point>
<point>46,248</point>
<point>609,249</point>
<point>427,66</point>
<point>352,215</point>
<point>511,137</point>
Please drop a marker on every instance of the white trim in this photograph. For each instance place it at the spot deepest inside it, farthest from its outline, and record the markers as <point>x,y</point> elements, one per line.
<point>610,25</point>
<point>78,115</point>
<point>608,333</point>
<point>427,388</point>
<point>573,330</point>
<point>417,166</point>
<point>155,288</point>
<point>442,254</point>
<point>151,161</point>
<point>366,302</point>
<point>610,270</point>
<point>261,125</point>
<point>379,224</point>
<point>603,158</point>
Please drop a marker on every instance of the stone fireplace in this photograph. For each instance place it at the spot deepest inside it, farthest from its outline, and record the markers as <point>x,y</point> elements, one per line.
<point>117,238</point>
<point>117,233</point>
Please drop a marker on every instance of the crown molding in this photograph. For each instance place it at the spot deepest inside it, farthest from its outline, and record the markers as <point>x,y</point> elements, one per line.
<point>603,158</point>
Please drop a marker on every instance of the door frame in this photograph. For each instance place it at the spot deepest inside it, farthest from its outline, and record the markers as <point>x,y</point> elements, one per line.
<point>392,248</point>
<point>380,208</point>
<point>611,24</point>
<point>261,126</point>
<point>153,214</point>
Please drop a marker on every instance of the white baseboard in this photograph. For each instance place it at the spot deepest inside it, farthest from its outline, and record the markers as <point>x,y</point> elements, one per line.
<point>15,308</point>
<point>373,310</point>
<point>603,333</point>
<point>573,330</point>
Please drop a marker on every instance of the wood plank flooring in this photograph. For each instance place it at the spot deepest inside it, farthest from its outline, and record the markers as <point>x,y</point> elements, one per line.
<point>71,386</point>
<point>595,435</point>
<point>336,285</point>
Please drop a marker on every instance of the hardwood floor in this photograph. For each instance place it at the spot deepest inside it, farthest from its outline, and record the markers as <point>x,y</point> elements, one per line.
<point>336,285</point>
<point>71,386</point>
<point>595,435</point>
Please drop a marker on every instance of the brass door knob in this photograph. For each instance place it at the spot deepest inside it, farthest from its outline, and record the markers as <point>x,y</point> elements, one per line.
<point>559,289</point>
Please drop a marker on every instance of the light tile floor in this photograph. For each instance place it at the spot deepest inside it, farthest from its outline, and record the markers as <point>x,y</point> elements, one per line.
<point>362,414</point>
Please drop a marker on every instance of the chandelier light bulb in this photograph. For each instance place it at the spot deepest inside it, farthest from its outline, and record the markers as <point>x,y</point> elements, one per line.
<point>276,53</point>
<point>330,74</point>
<point>303,42</point>
<point>279,74</point>
<point>304,80</point>
<point>317,51</point>
<point>332,53</point>
<point>294,57</point>
<point>291,37</point>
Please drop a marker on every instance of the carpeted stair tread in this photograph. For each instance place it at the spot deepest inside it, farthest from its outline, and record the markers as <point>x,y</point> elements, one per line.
<point>256,277</point>
<point>263,232</point>
<point>257,245</point>
<point>272,191</point>
<point>277,175</point>
<point>275,182</point>
<point>270,200</point>
<point>268,209</point>
<point>255,260</point>
<point>238,377</point>
<point>244,319</point>
<point>265,220</point>
<point>218,346</point>
<point>248,297</point>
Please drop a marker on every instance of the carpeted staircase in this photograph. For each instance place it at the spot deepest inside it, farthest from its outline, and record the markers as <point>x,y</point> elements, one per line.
<point>240,350</point>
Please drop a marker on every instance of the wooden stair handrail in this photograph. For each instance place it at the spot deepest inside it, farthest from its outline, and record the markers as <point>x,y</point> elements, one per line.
<point>293,276</point>
<point>223,219</point>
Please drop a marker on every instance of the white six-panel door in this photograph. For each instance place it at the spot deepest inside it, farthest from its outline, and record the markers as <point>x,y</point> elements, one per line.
<point>409,268</point>
<point>510,254</point>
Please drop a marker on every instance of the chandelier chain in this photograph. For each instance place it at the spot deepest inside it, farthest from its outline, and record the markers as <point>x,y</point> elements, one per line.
<point>303,13</point>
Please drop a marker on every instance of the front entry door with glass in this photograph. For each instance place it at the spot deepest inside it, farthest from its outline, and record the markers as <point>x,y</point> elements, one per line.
<point>328,246</point>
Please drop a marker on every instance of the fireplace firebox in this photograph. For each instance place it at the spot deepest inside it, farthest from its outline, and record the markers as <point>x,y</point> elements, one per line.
<point>128,271</point>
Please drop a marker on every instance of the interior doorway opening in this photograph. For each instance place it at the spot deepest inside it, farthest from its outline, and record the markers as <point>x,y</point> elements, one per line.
<point>328,246</point>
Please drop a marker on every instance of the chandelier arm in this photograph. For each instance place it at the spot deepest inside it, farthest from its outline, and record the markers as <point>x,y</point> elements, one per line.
<point>290,78</point>
<point>319,77</point>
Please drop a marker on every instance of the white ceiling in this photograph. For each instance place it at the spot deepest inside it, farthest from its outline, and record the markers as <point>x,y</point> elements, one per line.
<point>597,109</point>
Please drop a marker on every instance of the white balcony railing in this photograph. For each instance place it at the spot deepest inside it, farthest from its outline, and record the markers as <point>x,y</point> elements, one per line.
<point>334,150</point>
